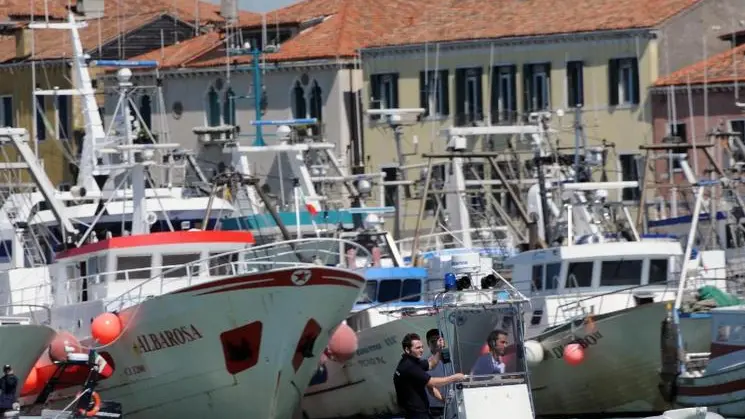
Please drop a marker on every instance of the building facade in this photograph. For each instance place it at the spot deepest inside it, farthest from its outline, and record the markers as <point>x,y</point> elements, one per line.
<point>309,69</point>
<point>697,104</point>
<point>40,59</point>
<point>477,73</point>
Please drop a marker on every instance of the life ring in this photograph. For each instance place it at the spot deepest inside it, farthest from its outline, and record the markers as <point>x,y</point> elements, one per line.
<point>92,411</point>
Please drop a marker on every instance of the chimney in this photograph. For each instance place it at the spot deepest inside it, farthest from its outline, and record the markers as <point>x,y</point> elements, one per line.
<point>90,9</point>
<point>23,42</point>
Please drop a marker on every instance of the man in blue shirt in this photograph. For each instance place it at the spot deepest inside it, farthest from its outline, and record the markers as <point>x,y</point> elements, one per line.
<point>492,362</point>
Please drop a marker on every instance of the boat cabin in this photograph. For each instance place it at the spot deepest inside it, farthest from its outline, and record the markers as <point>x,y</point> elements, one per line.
<point>727,330</point>
<point>109,268</point>
<point>572,281</point>
<point>599,267</point>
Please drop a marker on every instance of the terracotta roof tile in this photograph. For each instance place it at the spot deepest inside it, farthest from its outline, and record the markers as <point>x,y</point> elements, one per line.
<point>15,9</point>
<point>455,20</point>
<point>187,10</point>
<point>725,67</point>
<point>348,25</point>
<point>185,51</point>
<point>51,43</point>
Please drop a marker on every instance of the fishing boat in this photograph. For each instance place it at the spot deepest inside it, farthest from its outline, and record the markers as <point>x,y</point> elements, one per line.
<point>22,341</point>
<point>190,322</point>
<point>714,378</point>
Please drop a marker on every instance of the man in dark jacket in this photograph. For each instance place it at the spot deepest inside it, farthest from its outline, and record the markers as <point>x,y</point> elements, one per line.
<point>412,381</point>
<point>8,387</point>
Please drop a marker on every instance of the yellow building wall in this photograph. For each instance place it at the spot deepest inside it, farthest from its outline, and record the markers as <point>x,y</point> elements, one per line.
<point>625,126</point>
<point>54,153</point>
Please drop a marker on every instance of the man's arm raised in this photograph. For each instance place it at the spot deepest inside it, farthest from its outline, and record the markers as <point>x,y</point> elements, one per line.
<point>441,381</point>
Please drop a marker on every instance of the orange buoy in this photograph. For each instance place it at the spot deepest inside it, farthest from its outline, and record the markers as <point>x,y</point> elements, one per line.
<point>32,380</point>
<point>343,344</point>
<point>106,327</point>
<point>63,343</point>
<point>574,354</point>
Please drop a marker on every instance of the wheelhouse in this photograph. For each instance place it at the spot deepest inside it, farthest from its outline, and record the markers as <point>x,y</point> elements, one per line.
<point>109,268</point>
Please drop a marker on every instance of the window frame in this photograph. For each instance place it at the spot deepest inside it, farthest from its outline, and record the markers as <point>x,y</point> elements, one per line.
<point>3,120</point>
<point>628,194</point>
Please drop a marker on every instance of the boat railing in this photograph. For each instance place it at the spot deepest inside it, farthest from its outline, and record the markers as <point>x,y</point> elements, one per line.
<point>429,301</point>
<point>488,237</point>
<point>285,254</point>
<point>29,314</point>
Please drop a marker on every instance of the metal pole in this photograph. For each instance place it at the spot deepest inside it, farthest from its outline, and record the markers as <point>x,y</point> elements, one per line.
<point>258,92</point>
<point>689,247</point>
<point>422,205</point>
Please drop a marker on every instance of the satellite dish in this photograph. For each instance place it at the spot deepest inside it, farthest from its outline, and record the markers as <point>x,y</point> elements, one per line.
<point>151,218</point>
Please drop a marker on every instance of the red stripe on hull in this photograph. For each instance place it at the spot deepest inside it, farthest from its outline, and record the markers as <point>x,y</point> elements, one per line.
<point>273,279</point>
<point>722,349</point>
<point>165,238</point>
<point>714,390</point>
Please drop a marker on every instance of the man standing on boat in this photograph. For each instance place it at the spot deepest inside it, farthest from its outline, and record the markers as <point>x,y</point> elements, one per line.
<point>494,361</point>
<point>412,381</point>
<point>8,387</point>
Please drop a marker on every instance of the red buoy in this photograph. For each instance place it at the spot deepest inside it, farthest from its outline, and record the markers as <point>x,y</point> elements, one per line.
<point>63,343</point>
<point>574,354</point>
<point>343,344</point>
<point>106,327</point>
<point>32,380</point>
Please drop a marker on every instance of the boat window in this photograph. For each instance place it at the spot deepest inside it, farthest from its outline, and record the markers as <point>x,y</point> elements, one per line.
<point>657,270</point>
<point>395,289</point>
<point>389,290</point>
<point>220,265</point>
<point>411,288</point>
<point>178,261</point>
<point>369,293</point>
<point>723,333</point>
<point>552,275</point>
<point>737,334</point>
<point>537,284</point>
<point>133,267</point>
<point>579,275</point>
<point>621,272</point>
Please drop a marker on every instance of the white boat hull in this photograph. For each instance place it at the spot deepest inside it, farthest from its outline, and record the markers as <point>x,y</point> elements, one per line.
<point>623,348</point>
<point>22,345</point>
<point>172,361</point>
<point>363,386</point>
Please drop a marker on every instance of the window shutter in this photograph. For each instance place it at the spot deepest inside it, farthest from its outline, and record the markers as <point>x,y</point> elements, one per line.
<point>423,93</point>
<point>394,80</point>
<point>374,101</point>
<point>445,88</point>
<point>460,94</point>
<point>494,94</point>
<point>613,82</point>
<point>547,66</point>
<point>527,88</point>
<point>512,111</point>
<point>635,80</point>
<point>480,94</point>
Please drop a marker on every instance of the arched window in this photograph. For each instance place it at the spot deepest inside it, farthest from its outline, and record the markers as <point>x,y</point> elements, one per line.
<point>146,112</point>
<point>316,101</point>
<point>299,106</point>
<point>229,107</point>
<point>213,108</point>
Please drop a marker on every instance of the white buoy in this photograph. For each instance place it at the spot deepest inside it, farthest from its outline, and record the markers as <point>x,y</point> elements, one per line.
<point>533,352</point>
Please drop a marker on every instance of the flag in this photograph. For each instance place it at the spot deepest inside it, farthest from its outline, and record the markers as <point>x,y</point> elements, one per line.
<point>311,208</point>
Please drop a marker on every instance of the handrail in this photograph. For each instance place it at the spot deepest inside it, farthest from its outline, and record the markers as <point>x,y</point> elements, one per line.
<point>430,303</point>
<point>255,249</point>
<point>44,307</point>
